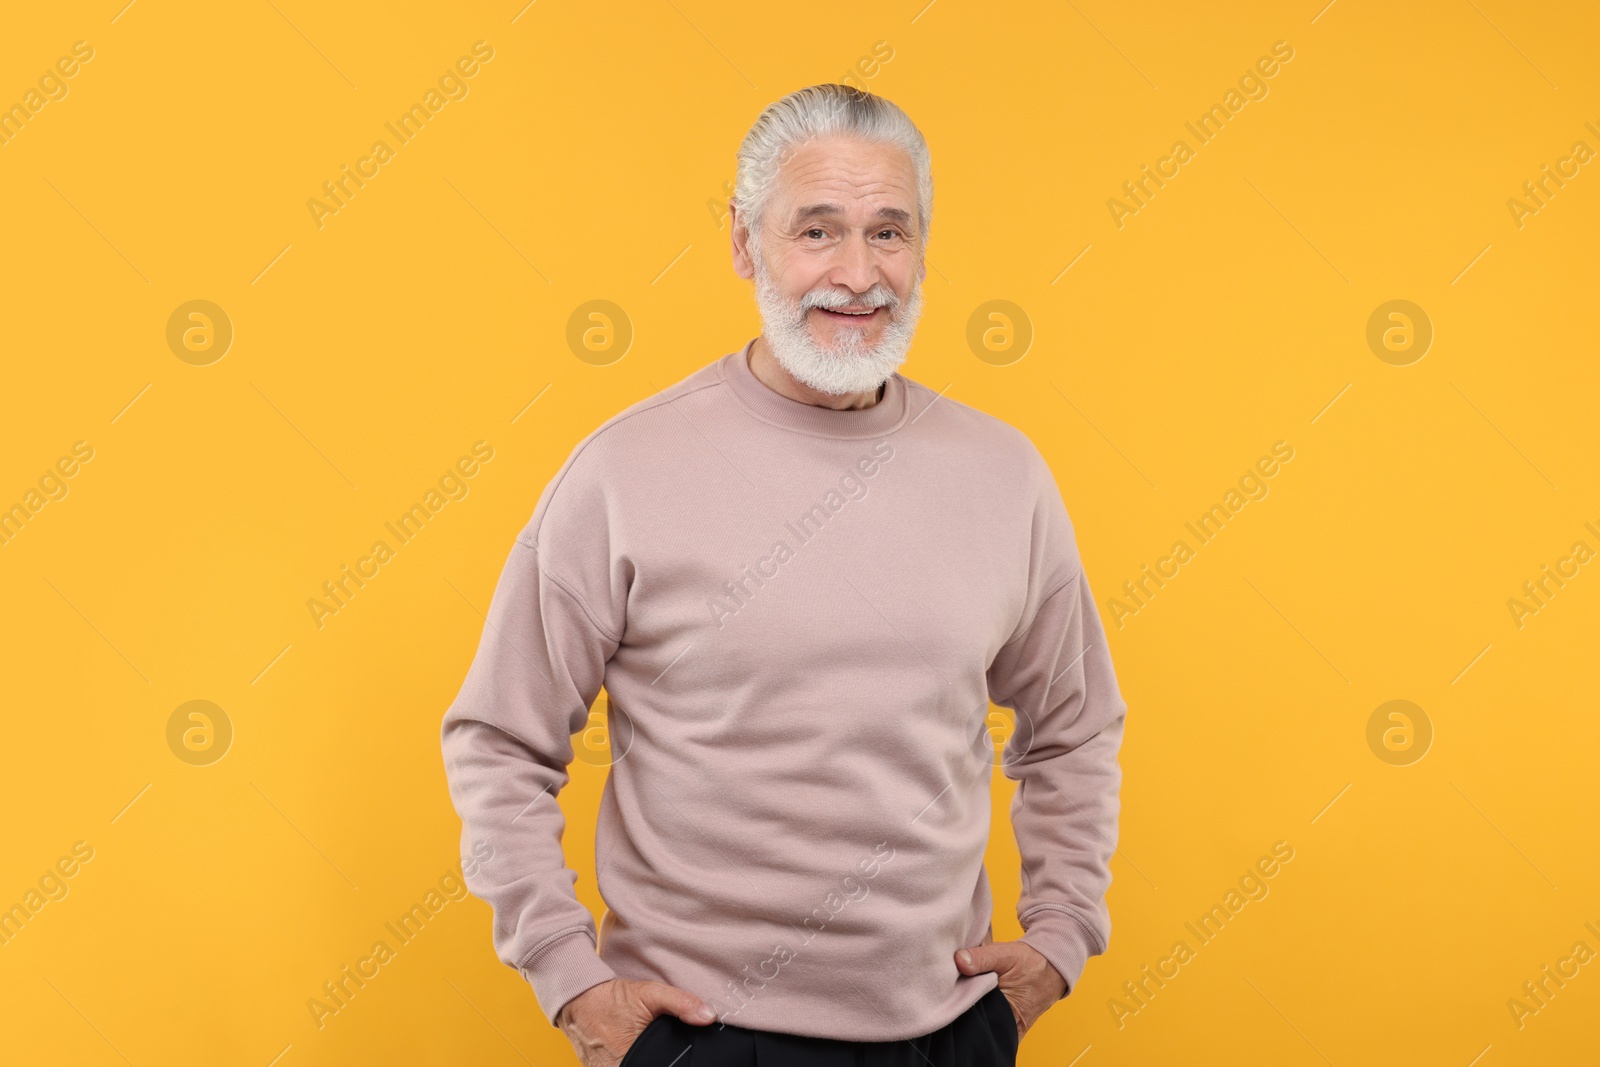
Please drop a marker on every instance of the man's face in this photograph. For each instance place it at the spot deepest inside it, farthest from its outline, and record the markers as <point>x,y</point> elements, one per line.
<point>840,236</point>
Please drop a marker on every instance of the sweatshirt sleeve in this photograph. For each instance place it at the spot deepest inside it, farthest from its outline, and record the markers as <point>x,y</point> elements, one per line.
<point>553,623</point>
<point>1056,675</point>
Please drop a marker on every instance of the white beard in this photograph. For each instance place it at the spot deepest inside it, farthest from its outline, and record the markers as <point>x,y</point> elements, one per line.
<point>851,366</point>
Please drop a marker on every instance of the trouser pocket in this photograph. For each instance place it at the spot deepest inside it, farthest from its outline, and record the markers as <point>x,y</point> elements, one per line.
<point>641,1043</point>
<point>1006,1023</point>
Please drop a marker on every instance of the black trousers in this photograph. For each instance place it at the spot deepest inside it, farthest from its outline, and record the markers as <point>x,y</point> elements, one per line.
<point>985,1035</point>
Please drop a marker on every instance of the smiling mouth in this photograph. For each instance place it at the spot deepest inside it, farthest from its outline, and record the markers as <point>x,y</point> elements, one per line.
<point>862,316</point>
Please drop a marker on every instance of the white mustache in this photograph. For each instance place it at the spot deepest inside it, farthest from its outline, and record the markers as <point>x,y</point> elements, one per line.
<point>833,301</point>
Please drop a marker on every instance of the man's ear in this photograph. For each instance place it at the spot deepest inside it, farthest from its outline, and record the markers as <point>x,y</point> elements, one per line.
<point>740,241</point>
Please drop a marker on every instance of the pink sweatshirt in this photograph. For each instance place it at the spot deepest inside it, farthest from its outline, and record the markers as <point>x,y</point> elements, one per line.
<point>800,617</point>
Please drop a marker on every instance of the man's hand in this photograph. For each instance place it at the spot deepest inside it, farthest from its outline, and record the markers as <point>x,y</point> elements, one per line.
<point>1027,979</point>
<point>605,1020</point>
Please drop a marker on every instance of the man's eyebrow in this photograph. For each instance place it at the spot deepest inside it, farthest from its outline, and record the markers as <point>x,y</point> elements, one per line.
<point>829,210</point>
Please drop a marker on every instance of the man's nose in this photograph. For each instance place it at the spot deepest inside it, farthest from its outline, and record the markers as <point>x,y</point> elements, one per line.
<point>856,266</point>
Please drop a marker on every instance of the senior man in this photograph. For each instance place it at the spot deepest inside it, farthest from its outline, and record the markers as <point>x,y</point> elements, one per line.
<point>801,578</point>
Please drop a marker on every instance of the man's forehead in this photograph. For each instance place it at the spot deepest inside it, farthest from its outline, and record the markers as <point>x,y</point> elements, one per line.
<point>830,177</point>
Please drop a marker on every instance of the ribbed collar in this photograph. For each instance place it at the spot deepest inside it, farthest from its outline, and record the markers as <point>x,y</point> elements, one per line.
<point>886,416</point>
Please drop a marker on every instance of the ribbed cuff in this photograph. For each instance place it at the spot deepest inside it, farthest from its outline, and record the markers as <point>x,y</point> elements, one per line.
<point>563,969</point>
<point>1063,939</point>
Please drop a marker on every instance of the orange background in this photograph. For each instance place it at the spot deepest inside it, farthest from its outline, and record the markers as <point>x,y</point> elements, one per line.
<point>587,161</point>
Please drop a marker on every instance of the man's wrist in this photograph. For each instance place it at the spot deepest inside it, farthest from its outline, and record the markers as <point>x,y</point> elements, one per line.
<point>564,969</point>
<point>1064,940</point>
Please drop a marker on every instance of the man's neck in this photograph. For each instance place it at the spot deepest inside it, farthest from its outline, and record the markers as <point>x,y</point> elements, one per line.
<point>770,373</point>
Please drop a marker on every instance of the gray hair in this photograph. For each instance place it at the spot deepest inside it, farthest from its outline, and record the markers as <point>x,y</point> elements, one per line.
<point>821,111</point>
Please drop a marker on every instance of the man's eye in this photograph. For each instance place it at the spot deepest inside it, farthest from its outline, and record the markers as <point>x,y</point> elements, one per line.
<point>816,231</point>
<point>891,233</point>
